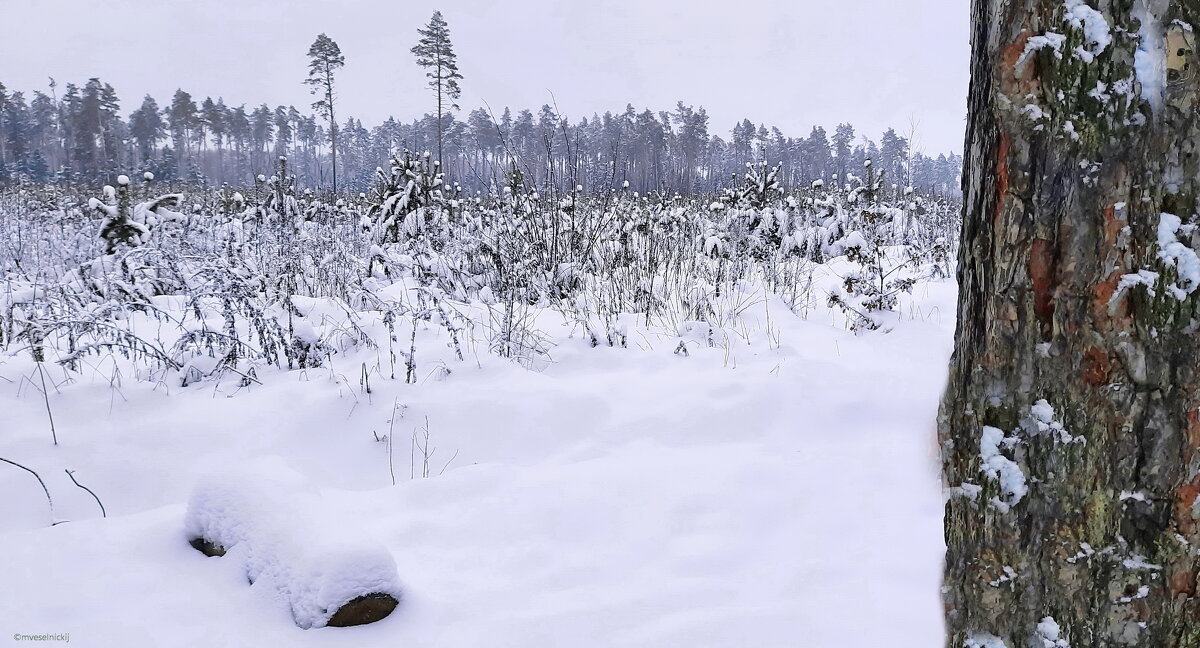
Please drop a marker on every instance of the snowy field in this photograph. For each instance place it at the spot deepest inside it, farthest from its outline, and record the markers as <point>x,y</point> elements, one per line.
<point>777,488</point>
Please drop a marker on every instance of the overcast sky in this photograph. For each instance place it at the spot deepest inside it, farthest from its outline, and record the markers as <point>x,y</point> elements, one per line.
<point>787,63</point>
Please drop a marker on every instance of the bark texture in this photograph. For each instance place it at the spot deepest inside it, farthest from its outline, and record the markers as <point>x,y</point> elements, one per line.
<point>1073,154</point>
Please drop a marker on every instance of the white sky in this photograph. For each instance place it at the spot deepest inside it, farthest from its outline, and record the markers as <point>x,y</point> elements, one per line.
<point>791,64</point>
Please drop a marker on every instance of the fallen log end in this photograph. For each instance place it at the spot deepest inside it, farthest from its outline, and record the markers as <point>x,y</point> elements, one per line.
<point>368,608</point>
<point>207,548</point>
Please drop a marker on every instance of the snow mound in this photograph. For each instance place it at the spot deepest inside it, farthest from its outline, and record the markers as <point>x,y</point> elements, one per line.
<point>263,520</point>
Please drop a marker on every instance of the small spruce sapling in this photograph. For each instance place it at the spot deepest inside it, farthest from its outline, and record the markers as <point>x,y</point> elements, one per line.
<point>402,197</point>
<point>129,226</point>
<point>119,227</point>
<point>874,287</point>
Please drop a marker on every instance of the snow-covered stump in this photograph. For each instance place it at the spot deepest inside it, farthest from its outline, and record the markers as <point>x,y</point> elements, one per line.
<point>326,577</point>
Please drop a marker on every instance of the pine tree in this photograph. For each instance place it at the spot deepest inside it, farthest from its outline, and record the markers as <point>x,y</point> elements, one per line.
<point>283,131</point>
<point>893,156</point>
<point>325,58</point>
<point>146,126</point>
<point>15,126</point>
<point>88,118</point>
<point>44,115</point>
<point>113,130</point>
<point>692,140</point>
<point>843,137</point>
<point>262,127</point>
<point>3,130</point>
<point>436,54</point>
<point>742,139</point>
<point>238,124</point>
<point>483,134</point>
<point>216,115</point>
<point>817,148</point>
<point>182,118</point>
<point>1069,431</point>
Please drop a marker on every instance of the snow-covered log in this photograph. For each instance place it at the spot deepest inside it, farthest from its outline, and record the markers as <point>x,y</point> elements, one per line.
<point>265,521</point>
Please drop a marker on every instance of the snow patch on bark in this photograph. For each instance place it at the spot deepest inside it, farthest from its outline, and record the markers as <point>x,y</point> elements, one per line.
<point>1085,551</point>
<point>983,640</point>
<point>1145,278</point>
<point>1001,469</point>
<point>966,489</point>
<point>1096,34</point>
<point>1150,59</point>
<point>1142,592</point>
<point>1053,40</point>
<point>1010,574</point>
<point>1050,634</point>
<point>1175,254</point>
<point>1138,561</point>
<point>1044,422</point>
<point>1138,496</point>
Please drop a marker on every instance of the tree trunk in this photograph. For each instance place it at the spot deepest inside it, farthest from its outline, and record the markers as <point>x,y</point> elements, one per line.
<point>333,126</point>
<point>1076,520</point>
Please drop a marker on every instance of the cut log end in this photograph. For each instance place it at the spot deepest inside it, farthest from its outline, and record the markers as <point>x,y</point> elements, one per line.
<point>365,609</point>
<point>207,548</point>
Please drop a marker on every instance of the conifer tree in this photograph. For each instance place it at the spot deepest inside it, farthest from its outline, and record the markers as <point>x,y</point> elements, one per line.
<point>182,118</point>
<point>436,54</point>
<point>15,127</point>
<point>3,134</point>
<point>146,126</point>
<point>325,57</point>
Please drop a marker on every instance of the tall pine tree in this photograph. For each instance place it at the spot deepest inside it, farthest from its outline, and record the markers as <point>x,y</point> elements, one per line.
<point>435,53</point>
<point>325,58</point>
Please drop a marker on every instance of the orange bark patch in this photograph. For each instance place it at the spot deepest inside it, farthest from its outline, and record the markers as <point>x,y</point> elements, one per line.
<point>1096,366</point>
<point>1112,227</point>
<point>1185,496</point>
<point>1103,292</point>
<point>1193,430</point>
<point>1001,190</point>
<point>1001,172</point>
<point>1183,581</point>
<point>1041,271</point>
<point>1009,55</point>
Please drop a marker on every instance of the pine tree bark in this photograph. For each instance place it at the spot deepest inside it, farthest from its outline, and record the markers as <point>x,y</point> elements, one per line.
<point>1074,152</point>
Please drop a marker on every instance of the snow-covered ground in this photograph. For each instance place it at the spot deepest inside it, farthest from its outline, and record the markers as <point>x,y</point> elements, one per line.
<point>777,489</point>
